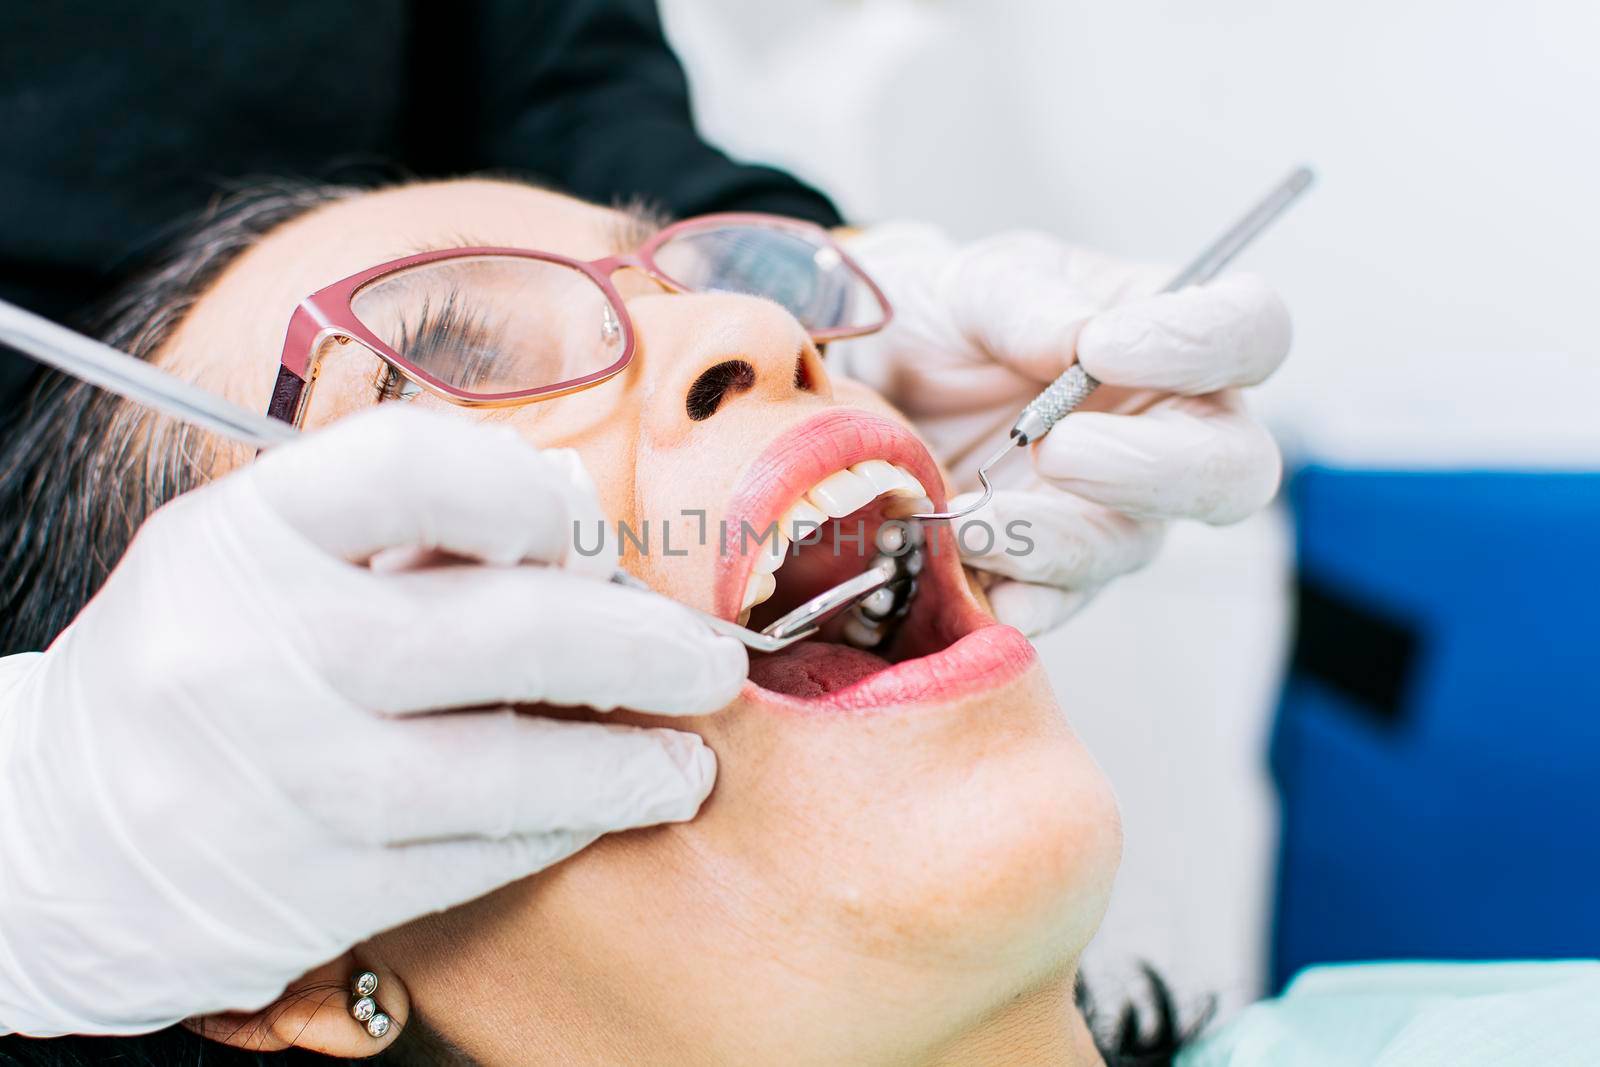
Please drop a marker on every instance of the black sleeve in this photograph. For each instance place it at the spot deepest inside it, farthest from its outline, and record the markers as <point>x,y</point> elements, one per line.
<point>587,93</point>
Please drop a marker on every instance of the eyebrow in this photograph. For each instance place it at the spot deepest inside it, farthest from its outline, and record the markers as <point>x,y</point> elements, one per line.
<point>634,224</point>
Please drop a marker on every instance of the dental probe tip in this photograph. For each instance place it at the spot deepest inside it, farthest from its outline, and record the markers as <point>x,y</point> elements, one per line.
<point>983,480</point>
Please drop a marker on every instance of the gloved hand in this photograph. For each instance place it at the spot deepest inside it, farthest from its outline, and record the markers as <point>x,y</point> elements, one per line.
<point>217,777</point>
<point>979,330</point>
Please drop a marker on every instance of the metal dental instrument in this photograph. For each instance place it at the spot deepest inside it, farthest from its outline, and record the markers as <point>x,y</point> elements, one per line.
<point>1063,395</point>
<point>806,619</point>
<point>799,624</point>
<point>133,379</point>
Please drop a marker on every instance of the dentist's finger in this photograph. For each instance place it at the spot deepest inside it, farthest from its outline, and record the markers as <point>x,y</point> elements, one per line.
<point>500,774</point>
<point>1049,538</point>
<point>398,476</point>
<point>1036,609</point>
<point>1233,332</point>
<point>1023,298</point>
<point>1188,457</point>
<point>468,635</point>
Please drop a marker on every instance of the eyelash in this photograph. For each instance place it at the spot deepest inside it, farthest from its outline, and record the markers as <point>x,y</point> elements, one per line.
<point>452,331</point>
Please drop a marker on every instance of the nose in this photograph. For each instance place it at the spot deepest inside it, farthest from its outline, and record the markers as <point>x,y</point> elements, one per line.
<point>712,352</point>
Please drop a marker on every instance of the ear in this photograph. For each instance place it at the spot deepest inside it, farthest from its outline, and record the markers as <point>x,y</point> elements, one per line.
<point>314,1014</point>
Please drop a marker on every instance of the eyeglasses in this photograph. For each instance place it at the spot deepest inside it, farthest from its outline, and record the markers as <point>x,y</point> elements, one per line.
<point>489,327</point>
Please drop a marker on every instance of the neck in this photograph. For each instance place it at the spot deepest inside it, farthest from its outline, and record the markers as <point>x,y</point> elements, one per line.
<point>1043,1028</point>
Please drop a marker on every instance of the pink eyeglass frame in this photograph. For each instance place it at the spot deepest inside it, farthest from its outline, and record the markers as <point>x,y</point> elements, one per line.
<point>327,315</point>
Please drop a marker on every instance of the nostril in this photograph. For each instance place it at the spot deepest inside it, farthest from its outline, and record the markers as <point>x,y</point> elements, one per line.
<point>808,372</point>
<point>715,383</point>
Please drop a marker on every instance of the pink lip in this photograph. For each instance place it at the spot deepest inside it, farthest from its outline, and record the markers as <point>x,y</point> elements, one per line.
<point>984,659</point>
<point>799,459</point>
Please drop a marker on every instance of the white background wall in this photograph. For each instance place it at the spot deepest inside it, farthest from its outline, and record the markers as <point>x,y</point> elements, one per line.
<point>1442,275</point>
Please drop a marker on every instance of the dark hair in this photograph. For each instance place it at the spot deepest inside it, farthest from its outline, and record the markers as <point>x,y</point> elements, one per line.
<point>173,1047</point>
<point>1143,1035</point>
<point>176,1046</point>
<point>82,469</point>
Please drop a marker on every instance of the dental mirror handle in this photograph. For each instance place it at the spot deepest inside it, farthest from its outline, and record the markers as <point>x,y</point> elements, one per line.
<point>134,379</point>
<point>1063,396</point>
<point>756,642</point>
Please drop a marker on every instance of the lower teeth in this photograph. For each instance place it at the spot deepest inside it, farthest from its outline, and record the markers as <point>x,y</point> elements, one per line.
<point>875,618</point>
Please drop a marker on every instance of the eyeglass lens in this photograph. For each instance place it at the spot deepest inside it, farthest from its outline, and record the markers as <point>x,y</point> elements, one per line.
<point>505,324</point>
<point>802,271</point>
<point>494,324</point>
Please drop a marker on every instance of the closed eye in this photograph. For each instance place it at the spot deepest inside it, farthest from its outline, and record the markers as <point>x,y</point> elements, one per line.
<point>447,337</point>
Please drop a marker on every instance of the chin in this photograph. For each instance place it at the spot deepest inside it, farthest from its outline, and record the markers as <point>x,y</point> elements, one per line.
<point>969,831</point>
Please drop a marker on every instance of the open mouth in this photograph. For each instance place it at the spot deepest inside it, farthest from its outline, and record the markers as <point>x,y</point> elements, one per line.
<point>823,503</point>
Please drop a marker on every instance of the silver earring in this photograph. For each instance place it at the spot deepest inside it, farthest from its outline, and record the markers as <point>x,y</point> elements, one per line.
<point>364,1008</point>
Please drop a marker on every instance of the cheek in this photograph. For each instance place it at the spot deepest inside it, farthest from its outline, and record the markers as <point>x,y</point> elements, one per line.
<point>853,393</point>
<point>678,517</point>
<point>601,428</point>
<point>683,483</point>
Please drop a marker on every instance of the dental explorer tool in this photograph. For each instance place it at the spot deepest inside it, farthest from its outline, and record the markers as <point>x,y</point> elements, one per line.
<point>143,383</point>
<point>1073,387</point>
<point>133,379</point>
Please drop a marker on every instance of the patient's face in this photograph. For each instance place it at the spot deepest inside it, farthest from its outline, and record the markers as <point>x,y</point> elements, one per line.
<point>901,845</point>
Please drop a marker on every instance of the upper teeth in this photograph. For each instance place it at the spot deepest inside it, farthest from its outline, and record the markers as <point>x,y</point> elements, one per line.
<point>839,494</point>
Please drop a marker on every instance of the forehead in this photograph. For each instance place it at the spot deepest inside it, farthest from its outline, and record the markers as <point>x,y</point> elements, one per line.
<point>246,313</point>
<point>348,236</point>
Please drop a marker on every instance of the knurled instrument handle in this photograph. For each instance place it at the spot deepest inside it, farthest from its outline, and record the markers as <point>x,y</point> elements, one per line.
<point>1048,408</point>
<point>1073,387</point>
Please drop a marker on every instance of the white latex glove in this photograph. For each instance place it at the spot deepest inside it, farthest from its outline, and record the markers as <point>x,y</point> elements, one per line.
<point>218,776</point>
<point>980,329</point>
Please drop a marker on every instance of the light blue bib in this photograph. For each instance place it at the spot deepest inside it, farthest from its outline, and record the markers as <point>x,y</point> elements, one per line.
<point>1418,1015</point>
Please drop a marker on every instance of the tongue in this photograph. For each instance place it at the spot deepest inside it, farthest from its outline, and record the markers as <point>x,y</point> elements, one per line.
<point>814,668</point>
